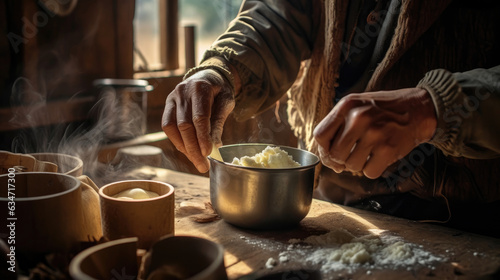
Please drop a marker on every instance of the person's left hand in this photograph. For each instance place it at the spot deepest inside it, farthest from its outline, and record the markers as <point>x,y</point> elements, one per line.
<point>367,132</point>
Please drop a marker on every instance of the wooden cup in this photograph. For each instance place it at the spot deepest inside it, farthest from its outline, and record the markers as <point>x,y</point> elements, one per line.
<point>109,260</point>
<point>184,257</point>
<point>67,164</point>
<point>148,219</point>
<point>46,215</point>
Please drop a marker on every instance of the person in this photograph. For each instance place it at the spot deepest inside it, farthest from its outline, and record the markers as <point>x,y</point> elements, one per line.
<point>400,100</point>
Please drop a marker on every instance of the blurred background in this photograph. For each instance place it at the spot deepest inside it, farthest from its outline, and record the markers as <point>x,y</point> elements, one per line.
<point>210,19</point>
<point>91,77</point>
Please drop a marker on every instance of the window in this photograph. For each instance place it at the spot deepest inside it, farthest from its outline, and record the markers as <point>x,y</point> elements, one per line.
<point>147,36</point>
<point>209,17</point>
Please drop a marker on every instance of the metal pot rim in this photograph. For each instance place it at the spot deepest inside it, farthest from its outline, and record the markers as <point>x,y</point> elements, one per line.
<point>316,161</point>
<point>123,83</point>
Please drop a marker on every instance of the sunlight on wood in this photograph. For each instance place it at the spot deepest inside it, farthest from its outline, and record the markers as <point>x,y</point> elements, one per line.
<point>238,269</point>
<point>323,207</point>
<point>215,154</point>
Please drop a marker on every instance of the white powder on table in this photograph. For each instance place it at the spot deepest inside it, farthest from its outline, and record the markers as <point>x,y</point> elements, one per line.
<point>283,257</point>
<point>339,236</point>
<point>339,250</point>
<point>270,263</point>
<point>369,251</point>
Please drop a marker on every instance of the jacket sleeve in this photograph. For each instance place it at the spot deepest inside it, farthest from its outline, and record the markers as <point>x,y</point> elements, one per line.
<point>266,43</point>
<point>468,111</point>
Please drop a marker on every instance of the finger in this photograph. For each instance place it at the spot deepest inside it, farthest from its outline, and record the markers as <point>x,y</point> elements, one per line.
<point>341,146</point>
<point>363,147</point>
<point>326,130</point>
<point>189,136</point>
<point>328,162</point>
<point>359,156</point>
<point>169,126</point>
<point>202,110</point>
<point>193,151</point>
<point>223,106</point>
<point>356,124</point>
<point>379,160</point>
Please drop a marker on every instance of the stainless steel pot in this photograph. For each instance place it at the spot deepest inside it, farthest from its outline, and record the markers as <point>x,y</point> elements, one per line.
<point>121,108</point>
<point>261,198</point>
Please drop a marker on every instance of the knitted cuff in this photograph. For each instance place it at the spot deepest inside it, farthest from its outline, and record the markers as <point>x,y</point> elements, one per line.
<point>448,98</point>
<point>217,64</point>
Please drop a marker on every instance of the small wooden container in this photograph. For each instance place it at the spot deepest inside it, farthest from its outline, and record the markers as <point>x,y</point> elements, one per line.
<point>106,261</point>
<point>184,257</point>
<point>148,219</point>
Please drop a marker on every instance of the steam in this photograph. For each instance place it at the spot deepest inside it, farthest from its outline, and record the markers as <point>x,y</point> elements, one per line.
<point>23,97</point>
<point>114,120</point>
<point>118,115</point>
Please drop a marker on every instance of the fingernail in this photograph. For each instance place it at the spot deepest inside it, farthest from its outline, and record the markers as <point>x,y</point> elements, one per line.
<point>204,151</point>
<point>325,154</point>
<point>337,169</point>
<point>337,161</point>
<point>322,151</point>
<point>202,168</point>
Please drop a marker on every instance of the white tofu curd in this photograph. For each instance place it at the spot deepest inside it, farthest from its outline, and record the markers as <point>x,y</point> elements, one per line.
<point>135,193</point>
<point>270,157</point>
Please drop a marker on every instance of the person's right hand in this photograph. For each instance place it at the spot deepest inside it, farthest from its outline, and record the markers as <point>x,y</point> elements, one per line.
<point>195,113</point>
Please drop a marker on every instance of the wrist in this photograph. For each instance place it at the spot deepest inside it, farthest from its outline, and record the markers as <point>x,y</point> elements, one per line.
<point>428,118</point>
<point>236,78</point>
<point>222,67</point>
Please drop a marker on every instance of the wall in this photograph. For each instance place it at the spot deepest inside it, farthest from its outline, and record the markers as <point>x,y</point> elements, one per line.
<point>49,61</point>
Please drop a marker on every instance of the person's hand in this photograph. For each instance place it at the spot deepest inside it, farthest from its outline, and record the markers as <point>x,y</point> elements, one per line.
<point>195,113</point>
<point>367,132</point>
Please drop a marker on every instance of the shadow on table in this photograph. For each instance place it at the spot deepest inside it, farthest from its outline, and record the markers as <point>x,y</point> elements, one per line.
<point>302,274</point>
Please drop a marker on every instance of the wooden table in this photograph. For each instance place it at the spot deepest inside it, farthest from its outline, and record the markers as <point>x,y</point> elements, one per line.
<point>463,255</point>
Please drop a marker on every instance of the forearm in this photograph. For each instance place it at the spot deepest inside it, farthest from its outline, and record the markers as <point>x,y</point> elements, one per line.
<point>263,47</point>
<point>467,109</point>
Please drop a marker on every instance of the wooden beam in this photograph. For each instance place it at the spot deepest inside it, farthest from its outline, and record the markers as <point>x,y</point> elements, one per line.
<point>22,34</point>
<point>43,114</point>
<point>124,43</point>
<point>190,46</point>
<point>169,36</point>
<point>5,76</point>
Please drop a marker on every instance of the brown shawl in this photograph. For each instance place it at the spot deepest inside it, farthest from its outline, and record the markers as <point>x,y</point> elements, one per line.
<point>311,96</point>
<point>429,35</point>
